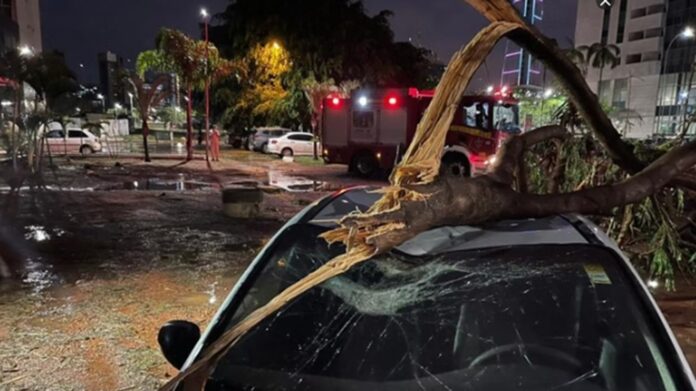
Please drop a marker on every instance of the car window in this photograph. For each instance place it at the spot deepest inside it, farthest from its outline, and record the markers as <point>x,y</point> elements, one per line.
<point>76,134</point>
<point>55,134</point>
<point>505,118</point>
<point>476,115</point>
<point>277,133</point>
<point>363,119</point>
<point>301,137</point>
<point>553,317</point>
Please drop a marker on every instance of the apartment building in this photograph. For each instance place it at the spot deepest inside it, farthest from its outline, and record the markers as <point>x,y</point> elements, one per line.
<point>649,90</point>
<point>20,24</point>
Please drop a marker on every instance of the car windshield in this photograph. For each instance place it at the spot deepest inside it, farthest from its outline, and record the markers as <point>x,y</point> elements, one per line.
<point>551,317</point>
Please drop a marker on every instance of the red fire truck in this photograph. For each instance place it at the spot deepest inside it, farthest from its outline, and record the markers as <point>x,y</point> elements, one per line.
<point>371,130</point>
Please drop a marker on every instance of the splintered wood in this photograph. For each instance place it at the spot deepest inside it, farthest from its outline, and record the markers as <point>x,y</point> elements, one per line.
<point>420,166</point>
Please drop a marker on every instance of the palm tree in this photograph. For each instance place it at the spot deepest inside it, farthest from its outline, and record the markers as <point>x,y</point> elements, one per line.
<point>51,79</point>
<point>145,98</point>
<point>601,55</point>
<point>580,57</point>
<point>180,54</point>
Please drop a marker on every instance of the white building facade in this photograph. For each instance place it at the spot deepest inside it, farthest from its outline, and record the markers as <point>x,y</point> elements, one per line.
<point>649,91</point>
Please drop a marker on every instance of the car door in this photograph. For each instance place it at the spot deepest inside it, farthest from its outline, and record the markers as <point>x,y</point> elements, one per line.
<point>306,144</point>
<point>292,141</point>
<point>55,142</point>
<point>76,139</point>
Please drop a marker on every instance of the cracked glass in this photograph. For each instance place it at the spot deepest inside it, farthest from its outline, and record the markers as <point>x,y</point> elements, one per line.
<point>541,317</point>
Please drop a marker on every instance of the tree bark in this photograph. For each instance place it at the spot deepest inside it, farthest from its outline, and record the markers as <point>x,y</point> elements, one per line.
<point>189,124</point>
<point>146,133</point>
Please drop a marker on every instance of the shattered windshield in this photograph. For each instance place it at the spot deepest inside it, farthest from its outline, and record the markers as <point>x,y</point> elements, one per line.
<point>552,317</point>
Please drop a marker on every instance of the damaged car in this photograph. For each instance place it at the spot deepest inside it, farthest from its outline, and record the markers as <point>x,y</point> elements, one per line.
<point>537,304</point>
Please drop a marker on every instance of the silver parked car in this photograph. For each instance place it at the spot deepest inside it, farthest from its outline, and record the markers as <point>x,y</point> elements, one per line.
<point>258,141</point>
<point>538,304</point>
<point>75,140</point>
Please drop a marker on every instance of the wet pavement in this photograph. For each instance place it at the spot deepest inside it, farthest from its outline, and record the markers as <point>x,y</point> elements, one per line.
<point>103,252</point>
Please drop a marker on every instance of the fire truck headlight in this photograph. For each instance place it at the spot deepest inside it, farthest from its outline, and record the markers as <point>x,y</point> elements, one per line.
<point>491,160</point>
<point>362,101</point>
<point>326,152</point>
<point>378,155</point>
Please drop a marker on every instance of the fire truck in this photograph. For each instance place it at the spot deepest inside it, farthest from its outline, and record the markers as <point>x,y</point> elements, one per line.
<point>371,130</point>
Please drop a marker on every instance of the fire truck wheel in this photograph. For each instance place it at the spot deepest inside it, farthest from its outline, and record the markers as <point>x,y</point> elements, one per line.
<point>455,165</point>
<point>365,164</point>
<point>286,152</point>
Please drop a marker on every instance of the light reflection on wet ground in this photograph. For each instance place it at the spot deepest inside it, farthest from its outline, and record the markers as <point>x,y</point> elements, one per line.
<point>104,264</point>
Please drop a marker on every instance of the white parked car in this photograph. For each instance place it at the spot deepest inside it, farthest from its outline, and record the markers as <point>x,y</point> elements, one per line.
<point>75,141</point>
<point>293,144</point>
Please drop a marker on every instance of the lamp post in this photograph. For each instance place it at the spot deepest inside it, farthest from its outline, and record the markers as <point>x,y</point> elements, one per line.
<point>205,16</point>
<point>130,103</point>
<point>687,33</point>
<point>101,99</point>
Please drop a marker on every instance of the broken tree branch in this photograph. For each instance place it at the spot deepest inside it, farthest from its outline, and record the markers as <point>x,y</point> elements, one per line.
<point>570,77</point>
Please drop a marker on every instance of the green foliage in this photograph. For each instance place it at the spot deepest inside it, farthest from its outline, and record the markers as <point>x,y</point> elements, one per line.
<point>330,39</point>
<point>538,107</point>
<point>171,115</point>
<point>288,57</point>
<point>651,232</point>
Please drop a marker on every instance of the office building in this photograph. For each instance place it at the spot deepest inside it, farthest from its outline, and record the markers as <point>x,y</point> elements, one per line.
<point>20,25</point>
<point>519,67</point>
<point>649,90</point>
<point>111,79</point>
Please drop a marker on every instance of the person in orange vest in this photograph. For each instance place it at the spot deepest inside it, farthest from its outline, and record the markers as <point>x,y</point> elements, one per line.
<point>214,143</point>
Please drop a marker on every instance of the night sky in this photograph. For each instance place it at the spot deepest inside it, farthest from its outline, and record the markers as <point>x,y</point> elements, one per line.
<point>82,28</point>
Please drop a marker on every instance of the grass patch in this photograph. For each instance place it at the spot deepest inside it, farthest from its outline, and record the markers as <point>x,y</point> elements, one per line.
<point>309,161</point>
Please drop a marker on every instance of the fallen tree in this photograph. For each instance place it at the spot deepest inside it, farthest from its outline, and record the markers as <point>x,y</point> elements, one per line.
<point>419,199</point>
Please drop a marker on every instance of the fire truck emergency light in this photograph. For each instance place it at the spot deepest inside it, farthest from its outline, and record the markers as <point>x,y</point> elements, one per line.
<point>392,101</point>
<point>362,101</point>
<point>335,101</point>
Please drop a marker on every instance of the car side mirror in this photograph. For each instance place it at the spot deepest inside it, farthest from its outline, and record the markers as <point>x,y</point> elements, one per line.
<point>177,339</point>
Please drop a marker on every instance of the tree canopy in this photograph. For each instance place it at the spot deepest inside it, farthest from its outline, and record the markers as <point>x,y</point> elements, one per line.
<point>329,39</point>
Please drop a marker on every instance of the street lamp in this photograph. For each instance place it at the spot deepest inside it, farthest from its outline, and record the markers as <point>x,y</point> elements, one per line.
<point>206,19</point>
<point>101,98</point>
<point>25,51</point>
<point>130,98</point>
<point>687,33</point>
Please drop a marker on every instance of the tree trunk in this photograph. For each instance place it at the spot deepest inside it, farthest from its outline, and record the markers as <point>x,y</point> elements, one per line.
<point>146,133</point>
<point>189,125</point>
<point>599,84</point>
<point>15,129</point>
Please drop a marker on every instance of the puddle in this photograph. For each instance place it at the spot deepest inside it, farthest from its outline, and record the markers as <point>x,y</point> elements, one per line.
<point>162,184</point>
<point>7,189</point>
<point>39,275</point>
<point>39,233</point>
<point>295,184</point>
<point>159,184</point>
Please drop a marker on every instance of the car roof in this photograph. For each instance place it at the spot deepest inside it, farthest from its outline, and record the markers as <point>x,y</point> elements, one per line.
<point>548,230</point>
